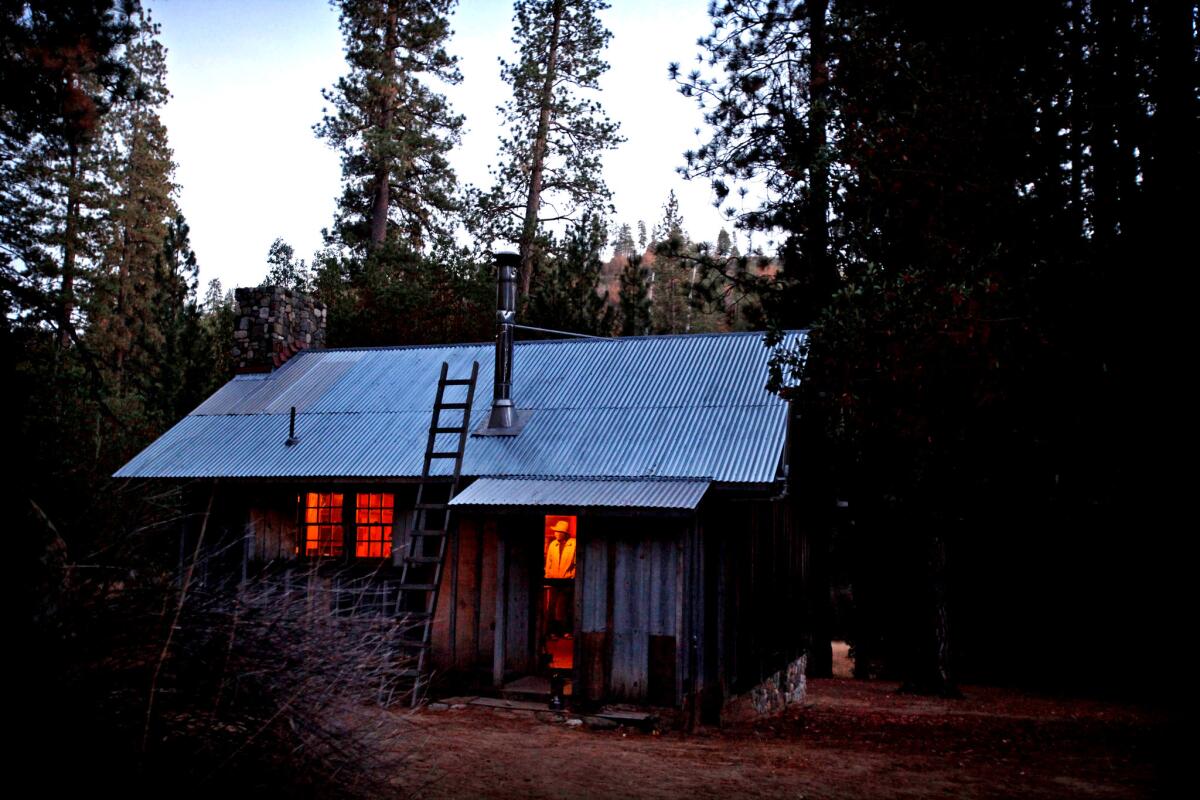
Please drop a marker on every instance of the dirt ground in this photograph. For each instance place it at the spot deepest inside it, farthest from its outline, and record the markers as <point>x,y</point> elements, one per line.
<point>852,739</point>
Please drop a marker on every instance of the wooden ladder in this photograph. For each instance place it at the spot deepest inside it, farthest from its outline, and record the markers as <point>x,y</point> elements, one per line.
<point>421,576</point>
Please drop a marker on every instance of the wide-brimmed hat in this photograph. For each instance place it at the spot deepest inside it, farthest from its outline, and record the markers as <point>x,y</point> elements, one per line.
<point>561,526</point>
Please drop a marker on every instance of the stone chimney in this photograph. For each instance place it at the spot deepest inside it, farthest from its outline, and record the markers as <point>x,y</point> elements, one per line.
<point>273,324</point>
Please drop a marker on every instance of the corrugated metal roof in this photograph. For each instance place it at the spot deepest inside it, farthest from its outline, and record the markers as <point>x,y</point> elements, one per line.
<point>563,493</point>
<point>666,406</point>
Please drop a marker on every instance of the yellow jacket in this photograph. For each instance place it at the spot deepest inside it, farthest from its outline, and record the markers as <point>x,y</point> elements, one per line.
<point>560,559</point>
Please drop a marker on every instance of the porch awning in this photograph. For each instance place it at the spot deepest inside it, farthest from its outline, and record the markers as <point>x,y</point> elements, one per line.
<point>675,495</point>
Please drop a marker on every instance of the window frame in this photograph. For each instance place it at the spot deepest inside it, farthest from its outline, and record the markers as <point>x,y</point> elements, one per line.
<point>387,539</point>
<point>349,522</point>
<point>307,510</point>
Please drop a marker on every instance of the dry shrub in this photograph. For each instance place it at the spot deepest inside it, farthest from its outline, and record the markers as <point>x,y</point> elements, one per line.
<point>151,683</point>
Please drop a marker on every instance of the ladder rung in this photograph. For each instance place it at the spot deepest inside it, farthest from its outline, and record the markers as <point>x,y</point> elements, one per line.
<point>448,430</point>
<point>431,506</point>
<point>456,382</point>
<point>416,615</point>
<point>462,406</point>
<point>442,455</point>
<point>422,559</point>
<point>408,673</point>
<point>429,532</point>
<point>417,587</point>
<point>412,643</point>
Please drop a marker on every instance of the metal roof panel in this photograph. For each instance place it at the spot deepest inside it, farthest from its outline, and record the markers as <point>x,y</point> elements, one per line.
<point>659,406</point>
<point>595,493</point>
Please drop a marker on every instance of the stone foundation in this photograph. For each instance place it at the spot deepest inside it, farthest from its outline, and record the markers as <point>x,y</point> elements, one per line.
<point>787,687</point>
<point>273,324</point>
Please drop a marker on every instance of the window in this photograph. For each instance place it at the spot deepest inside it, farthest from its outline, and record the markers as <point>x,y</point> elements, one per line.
<point>323,531</point>
<point>327,533</point>
<point>373,518</point>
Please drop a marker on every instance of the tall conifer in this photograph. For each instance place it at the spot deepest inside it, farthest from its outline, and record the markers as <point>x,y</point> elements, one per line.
<point>61,65</point>
<point>392,128</point>
<point>551,163</point>
<point>131,281</point>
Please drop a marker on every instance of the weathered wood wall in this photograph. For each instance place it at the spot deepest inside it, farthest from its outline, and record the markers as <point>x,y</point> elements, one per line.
<point>629,604</point>
<point>464,627</point>
<point>754,620</point>
<point>274,527</point>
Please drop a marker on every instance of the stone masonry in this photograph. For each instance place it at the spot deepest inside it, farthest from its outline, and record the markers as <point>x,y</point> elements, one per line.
<point>273,324</point>
<point>788,687</point>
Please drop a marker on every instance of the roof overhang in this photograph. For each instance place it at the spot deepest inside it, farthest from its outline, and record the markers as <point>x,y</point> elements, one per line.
<point>600,494</point>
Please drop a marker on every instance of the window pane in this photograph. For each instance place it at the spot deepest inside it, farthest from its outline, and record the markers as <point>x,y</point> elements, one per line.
<point>373,525</point>
<point>322,524</point>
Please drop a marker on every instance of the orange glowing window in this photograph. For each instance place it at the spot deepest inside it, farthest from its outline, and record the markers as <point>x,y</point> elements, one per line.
<point>373,518</point>
<point>322,524</point>
<point>559,547</point>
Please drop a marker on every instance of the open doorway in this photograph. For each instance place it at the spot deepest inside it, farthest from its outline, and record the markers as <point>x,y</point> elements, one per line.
<point>558,594</point>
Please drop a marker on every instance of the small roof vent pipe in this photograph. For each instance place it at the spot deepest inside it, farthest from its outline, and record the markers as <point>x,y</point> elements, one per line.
<point>504,419</point>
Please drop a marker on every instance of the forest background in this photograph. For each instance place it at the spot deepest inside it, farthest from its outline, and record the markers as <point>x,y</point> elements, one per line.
<point>980,219</point>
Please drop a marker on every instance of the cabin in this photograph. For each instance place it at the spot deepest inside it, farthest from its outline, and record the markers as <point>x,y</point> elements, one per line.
<point>615,518</point>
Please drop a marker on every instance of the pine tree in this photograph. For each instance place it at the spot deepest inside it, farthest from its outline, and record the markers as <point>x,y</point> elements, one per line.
<point>62,67</point>
<point>393,131</point>
<point>671,225</point>
<point>960,200</point>
<point>623,244</point>
<point>673,274</point>
<point>287,270</point>
<point>568,295</point>
<point>100,333</point>
<point>551,164</point>
<point>635,298</point>
<point>724,243</point>
<point>187,373</point>
<point>218,316</point>
<point>769,115</point>
<point>131,283</point>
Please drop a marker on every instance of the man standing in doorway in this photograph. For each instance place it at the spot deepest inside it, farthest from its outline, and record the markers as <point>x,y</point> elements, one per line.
<point>560,567</point>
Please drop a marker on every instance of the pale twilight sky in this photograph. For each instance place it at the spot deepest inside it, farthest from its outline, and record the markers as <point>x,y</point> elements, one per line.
<point>246,80</point>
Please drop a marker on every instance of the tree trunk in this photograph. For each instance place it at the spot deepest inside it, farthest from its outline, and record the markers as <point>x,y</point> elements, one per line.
<point>533,200</point>
<point>687,325</point>
<point>1129,119</point>
<point>824,279</point>
<point>379,205</point>
<point>926,660</point>
<point>1078,114</point>
<point>1104,111</point>
<point>70,234</point>
<point>942,684</point>
<point>1173,165</point>
<point>1051,152</point>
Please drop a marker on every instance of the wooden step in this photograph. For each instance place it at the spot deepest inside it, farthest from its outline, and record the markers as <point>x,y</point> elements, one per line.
<point>422,559</point>
<point>416,587</point>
